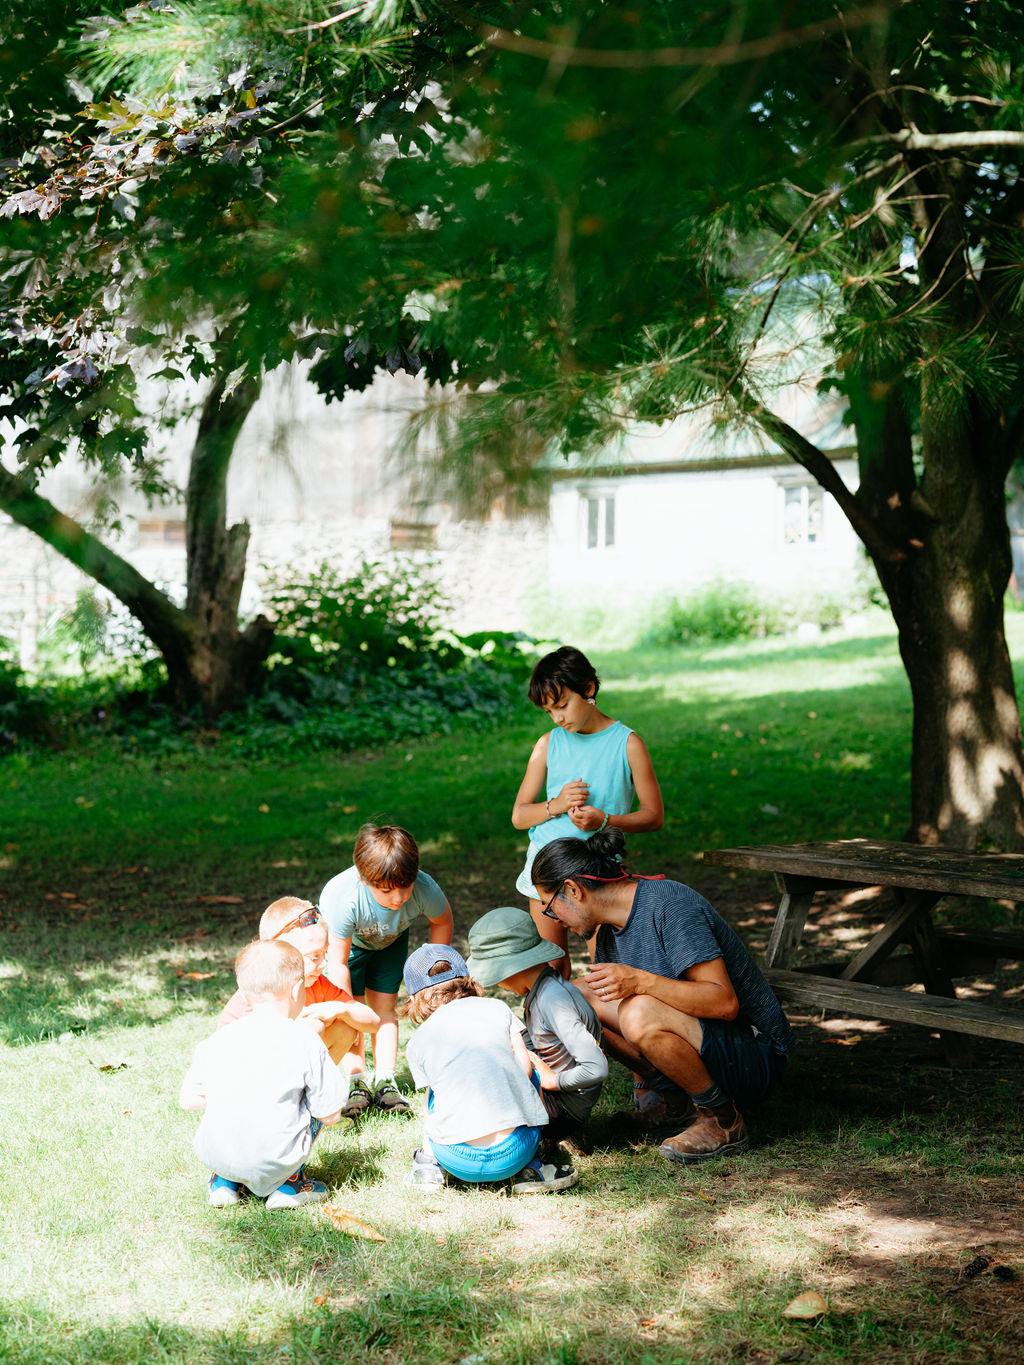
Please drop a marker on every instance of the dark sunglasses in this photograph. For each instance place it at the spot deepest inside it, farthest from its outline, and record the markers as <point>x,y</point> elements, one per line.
<point>303,921</point>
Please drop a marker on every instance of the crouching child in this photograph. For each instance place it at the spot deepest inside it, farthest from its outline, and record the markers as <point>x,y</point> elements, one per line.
<point>484,1116</point>
<point>266,1087</point>
<point>563,1035</point>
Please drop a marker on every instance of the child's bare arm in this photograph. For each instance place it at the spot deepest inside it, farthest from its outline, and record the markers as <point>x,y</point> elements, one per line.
<point>442,928</point>
<point>548,1078</point>
<point>529,810</point>
<point>351,1012</point>
<point>519,1051</point>
<point>331,1119</point>
<point>338,950</point>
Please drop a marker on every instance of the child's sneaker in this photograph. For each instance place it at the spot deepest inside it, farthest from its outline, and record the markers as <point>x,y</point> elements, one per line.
<point>360,1098</point>
<point>299,1190</point>
<point>541,1178</point>
<point>426,1174</point>
<point>223,1193</point>
<point>389,1098</point>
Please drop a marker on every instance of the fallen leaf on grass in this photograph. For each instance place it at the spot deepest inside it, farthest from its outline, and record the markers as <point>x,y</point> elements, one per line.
<point>350,1224</point>
<point>806,1305</point>
<point>320,1300</point>
<point>195,976</point>
<point>111,1066</point>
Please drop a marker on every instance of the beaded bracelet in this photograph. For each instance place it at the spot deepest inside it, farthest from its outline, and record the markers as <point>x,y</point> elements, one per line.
<point>602,824</point>
<point>547,807</point>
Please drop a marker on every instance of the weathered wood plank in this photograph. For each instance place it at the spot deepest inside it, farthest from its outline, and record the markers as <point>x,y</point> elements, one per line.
<point>971,943</point>
<point>877,862</point>
<point>788,928</point>
<point>894,931</point>
<point>863,1001</point>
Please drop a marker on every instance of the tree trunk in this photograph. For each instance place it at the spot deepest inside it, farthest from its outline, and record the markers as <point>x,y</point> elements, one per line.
<point>225,662</point>
<point>967,771</point>
<point>942,550</point>
<point>211,663</point>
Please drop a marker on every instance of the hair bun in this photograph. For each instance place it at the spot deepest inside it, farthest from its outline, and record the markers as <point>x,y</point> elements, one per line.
<point>608,844</point>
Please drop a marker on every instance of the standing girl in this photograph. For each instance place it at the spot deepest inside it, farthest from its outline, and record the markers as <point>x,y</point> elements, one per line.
<point>582,775</point>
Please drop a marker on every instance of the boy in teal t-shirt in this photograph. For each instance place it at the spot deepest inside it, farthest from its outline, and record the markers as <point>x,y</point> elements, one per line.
<point>368,910</point>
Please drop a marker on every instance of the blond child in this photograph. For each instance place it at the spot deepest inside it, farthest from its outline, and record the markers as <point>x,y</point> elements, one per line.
<point>368,910</point>
<point>266,1087</point>
<point>582,775</point>
<point>484,1116</point>
<point>327,1010</point>
<point>563,1036</point>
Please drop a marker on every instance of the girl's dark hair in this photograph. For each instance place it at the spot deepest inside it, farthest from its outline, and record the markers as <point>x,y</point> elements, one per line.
<point>599,856</point>
<point>567,667</point>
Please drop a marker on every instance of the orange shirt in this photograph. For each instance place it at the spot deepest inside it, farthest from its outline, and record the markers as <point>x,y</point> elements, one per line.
<point>317,993</point>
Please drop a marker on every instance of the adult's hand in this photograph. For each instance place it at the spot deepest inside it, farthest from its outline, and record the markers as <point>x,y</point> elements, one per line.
<point>614,981</point>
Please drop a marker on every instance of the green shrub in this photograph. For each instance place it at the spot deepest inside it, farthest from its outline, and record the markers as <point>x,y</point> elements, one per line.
<point>382,616</point>
<point>716,612</point>
<point>358,662</point>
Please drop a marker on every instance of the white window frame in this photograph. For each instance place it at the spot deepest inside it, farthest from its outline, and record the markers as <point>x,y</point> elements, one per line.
<point>811,511</point>
<point>598,526</point>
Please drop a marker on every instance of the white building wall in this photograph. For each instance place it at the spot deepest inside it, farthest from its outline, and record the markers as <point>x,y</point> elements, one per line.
<point>680,529</point>
<point>315,481</point>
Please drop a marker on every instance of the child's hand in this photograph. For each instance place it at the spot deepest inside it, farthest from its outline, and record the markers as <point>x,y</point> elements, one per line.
<point>587,818</point>
<point>573,794</point>
<point>548,1078</point>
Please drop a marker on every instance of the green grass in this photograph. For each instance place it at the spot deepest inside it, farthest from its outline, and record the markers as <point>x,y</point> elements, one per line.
<point>128,885</point>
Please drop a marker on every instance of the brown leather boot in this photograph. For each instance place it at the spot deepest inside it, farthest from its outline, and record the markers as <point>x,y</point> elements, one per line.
<point>716,1132</point>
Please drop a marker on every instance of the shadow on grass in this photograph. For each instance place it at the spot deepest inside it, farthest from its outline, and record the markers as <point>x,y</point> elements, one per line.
<point>698,1268</point>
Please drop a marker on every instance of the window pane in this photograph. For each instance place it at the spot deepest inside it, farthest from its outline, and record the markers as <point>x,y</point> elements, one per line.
<point>609,521</point>
<point>815,515</point>
<point>792,516</point>
<point>593,508</point>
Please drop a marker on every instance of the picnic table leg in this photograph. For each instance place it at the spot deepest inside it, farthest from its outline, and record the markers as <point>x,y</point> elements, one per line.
<point>797,894</point>
<point>910,905</point>
<point>927,951</point>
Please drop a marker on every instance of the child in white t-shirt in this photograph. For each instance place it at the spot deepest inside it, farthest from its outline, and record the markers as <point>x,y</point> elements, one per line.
<point>267,1086</point>
<point>484,1115</point>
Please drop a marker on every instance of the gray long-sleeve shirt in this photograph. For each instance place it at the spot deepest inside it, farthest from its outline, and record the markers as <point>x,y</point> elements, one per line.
<point>564,1032</point>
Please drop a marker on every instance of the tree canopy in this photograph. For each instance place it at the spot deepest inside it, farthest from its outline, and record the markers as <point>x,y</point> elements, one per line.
<point>610,213</point>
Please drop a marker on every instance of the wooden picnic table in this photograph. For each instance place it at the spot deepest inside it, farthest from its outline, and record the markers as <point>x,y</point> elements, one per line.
<point>919,878</point>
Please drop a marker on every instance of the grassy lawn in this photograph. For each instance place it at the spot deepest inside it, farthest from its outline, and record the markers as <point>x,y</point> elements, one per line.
<point>879,1177</point>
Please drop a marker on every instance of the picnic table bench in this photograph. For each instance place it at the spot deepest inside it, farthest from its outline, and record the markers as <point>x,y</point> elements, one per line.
<point>868,985</point>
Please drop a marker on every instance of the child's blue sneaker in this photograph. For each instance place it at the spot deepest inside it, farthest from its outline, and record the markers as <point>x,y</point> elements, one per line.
<point>298,1190</point>
<point>223,1192</point>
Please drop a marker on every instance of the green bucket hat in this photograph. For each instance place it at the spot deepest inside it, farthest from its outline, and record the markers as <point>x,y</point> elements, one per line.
<point>503,942</point>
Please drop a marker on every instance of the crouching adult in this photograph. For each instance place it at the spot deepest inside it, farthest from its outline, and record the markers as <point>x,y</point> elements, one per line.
<point>677,994</point>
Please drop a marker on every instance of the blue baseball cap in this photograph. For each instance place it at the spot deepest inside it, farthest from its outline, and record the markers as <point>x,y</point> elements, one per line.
<point>417,973</point>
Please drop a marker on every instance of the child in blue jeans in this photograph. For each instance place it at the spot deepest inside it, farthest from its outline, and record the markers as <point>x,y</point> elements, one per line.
<point>484,1115</point>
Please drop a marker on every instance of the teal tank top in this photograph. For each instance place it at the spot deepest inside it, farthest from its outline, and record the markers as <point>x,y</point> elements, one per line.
<point>599,759</point>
